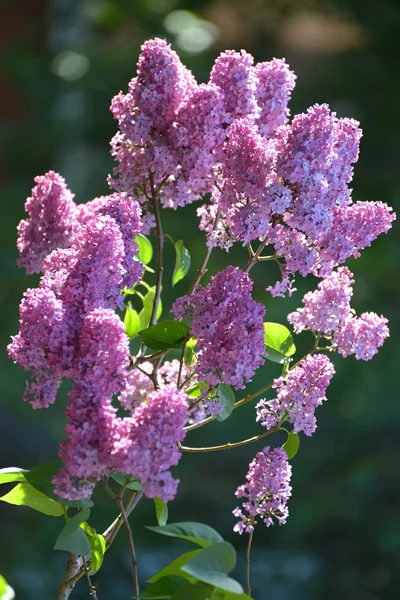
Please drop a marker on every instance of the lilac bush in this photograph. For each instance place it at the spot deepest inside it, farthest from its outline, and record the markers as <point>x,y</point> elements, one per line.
<point>140,383</point>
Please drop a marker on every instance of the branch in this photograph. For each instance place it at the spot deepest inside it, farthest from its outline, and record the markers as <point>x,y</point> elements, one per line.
<point>75,566</point>
<point>248,588</point>
<point>201,271</point>
<point>229,446</point>
<point>131,549</point>
<point>256,256</point>
<point>160,246</point>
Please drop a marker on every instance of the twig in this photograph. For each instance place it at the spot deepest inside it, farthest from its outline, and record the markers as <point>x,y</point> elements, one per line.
<point>201,271</point>
<point>229,445</point>
<point>248,588</point>
<point>160,246</point>
<point>92,589</point>
<point>131,549</point>
<point>255,256</point>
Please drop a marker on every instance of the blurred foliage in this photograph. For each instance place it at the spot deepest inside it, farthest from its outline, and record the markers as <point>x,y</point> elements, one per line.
<point>62,61</point>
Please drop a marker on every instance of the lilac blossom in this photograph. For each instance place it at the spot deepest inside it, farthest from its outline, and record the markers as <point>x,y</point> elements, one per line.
<point>50,225</point>
<point>45,344</point>
<point>148,446</point>
<point>361,336</point>
<point>299,394</point>
<point>233,72</point>
<point>228,326</point>
<point>198,136</point>
<point>353,228</point>
<point>92,427</point>
<point>325,309</point>
<point>266,491</point>
<point>275,83</point>
<point>315,158</point>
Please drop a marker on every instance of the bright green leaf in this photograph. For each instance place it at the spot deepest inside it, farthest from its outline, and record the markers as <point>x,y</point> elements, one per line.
<point>70,538</point>
<point>164,587</point>
<point>129,482</point>
<point>291,445</point>
<point>226,398</point>
<point>6,591</point>
<point>98,546</point>
<point>145,249</point>
<point>10,474</point>
<point>131,322</point>
<point>195,390</point>
<point>168,334</point>
<point>145,313</point>
<point>212,564</point>
<point>174,568</point>
<point>192,591</point>
<point>24,494</point>
<point>182,262</point>
<point>190,354</point>
<point>200,534</point>
<point>279,342</point>
<point>161,511</point>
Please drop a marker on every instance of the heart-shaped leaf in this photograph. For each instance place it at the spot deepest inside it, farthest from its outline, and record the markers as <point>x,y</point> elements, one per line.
<point>165,335</point>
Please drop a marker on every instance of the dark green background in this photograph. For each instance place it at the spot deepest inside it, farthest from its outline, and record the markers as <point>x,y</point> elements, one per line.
<point>342,537</point>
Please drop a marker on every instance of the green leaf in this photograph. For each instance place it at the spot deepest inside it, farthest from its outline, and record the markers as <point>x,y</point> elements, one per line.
<point>279,342</point>
<point>145,313</point>
<point>76,543</point>
<point>98,546</point>
<point>145,249</point>
<point>24,494</point>
<point>6,591</point>
<point>161,511</point>
<point>164,587</point>
<point>174,568</point>
<point>200,534</point>
<point>182,262</point>
<point>291,445</point>
<point>190,354</point>
<point>131,322</point>
<point>168,334</point>
<point>130,482</point>
<point>192,591</point>
<point>212,565</point>
<point>72,538</point>
<point>195,390</point>
<point>10,474</point>
<point>226,398</point>
<point>41,479</point>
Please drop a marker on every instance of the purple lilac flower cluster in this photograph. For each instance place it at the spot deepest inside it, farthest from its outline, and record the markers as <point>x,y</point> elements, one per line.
<point>68,329</point>
<point>266,492</point>
<point>327,312</point>
<point>299,394</point>
<point>286,183</point>
<point>283,183</point>
<point>228,326</point>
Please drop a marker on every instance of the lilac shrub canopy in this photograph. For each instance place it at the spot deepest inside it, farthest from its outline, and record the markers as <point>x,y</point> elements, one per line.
<point>263,178</point>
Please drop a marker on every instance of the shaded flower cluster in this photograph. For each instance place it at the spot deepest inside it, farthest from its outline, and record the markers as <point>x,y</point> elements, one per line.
<point>299,394</point>
<point>266,491</point>
<point>327,311</point>
<point>228,326</point>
